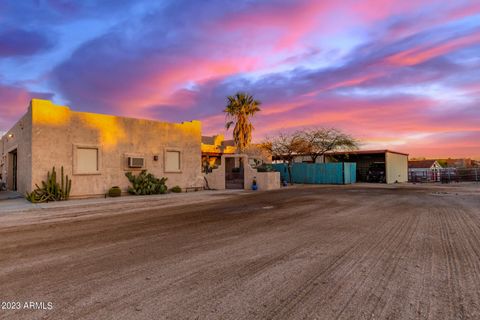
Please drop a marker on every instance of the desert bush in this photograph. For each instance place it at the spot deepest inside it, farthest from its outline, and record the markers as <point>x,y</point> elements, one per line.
<point>176,189</point>
<point>114,192</point>
<point>265,168</point>
<point>145,184</point>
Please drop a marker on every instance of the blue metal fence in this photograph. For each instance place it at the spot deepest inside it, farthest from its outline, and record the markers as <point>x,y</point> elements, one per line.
<point>319,173</point>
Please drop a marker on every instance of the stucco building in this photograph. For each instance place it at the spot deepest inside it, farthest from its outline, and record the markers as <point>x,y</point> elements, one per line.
<point>97,150</point>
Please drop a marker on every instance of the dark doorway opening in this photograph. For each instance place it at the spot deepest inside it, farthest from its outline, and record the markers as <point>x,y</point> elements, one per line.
<point>370,166</point>
<point>13,170</point>
<point>234,178</point>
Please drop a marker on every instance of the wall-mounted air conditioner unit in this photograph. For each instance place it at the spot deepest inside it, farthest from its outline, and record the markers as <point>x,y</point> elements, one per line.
<point>135,162</point>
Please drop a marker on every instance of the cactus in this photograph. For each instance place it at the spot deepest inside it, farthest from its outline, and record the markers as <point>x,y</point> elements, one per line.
<point>51,190</point>
<point>146,183</point>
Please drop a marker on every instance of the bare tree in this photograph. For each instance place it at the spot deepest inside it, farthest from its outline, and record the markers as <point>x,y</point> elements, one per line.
<point>258,154</point>
<point>285,146</point>
<point>318,141</point>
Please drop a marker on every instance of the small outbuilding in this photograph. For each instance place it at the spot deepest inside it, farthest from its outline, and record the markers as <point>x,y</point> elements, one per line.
<point>383,166</point>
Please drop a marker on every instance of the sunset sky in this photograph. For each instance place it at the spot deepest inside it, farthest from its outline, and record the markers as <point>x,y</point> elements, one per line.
<point>402,75</point>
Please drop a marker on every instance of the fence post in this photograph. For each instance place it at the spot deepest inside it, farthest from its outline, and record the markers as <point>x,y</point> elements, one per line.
<point>476,174</point>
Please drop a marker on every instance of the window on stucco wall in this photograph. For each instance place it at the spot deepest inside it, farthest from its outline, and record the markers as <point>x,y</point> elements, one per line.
<point>172,161</point>
<point>87,160</point>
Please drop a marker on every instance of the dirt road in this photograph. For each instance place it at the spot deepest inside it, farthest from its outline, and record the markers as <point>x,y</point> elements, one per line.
<point>345,252</point>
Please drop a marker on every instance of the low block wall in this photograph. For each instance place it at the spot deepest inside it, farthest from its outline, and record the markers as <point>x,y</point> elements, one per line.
<point>268,180</point>
<point>265,180</point>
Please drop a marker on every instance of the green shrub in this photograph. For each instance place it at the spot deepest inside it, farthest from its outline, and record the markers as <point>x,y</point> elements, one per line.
<point>51,190</point>
<point>145,184</point>
<point>176,189</point>
<point>114,192</point>
<point>265,168</point>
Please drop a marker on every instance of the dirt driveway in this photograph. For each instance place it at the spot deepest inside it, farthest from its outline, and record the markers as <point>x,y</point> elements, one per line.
<point>345,252</point>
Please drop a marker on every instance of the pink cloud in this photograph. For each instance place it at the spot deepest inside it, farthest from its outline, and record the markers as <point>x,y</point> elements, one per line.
<point>165,86</point>
<point>423,53</point>
<point>447,14</point>
<point>405,124</point>
<point>172,79</point>
<point>287,22</point>
<point>374,10</point>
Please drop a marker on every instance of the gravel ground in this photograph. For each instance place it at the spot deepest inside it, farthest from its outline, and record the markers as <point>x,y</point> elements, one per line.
<point>307,252</point>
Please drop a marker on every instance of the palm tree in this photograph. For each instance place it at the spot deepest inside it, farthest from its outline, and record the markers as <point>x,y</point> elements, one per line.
<point>239,109</point>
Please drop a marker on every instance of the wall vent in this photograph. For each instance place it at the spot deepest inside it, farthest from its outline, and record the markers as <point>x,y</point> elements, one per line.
<point>135,162</point>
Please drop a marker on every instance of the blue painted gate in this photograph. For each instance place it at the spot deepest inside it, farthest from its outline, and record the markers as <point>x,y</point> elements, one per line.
<point>319,173</point>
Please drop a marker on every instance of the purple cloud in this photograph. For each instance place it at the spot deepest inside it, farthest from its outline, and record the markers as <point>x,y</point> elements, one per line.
<point>19,42</point>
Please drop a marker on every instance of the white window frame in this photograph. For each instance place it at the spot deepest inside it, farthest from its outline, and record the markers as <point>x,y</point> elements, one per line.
<point>75,159</point>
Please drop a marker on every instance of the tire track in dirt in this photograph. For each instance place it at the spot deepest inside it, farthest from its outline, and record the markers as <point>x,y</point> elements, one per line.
<point>461,258</point>
<point>320,253</point>
<point>183,226</point>
<point>249,270</point>
<point>389,251</point>
<point>384,245</point>
<point>456,308</point>
<point>266,262</point>
<point>423,299</point>
<point>397,253</point>
<point>340,264</point>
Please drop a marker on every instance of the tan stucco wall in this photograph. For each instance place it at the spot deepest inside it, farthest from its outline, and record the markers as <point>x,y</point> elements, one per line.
<point>397,167</point>
<point>57,130</point>
<point>216,178</point>
<point>18,137</point>
<point>265,180</point>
